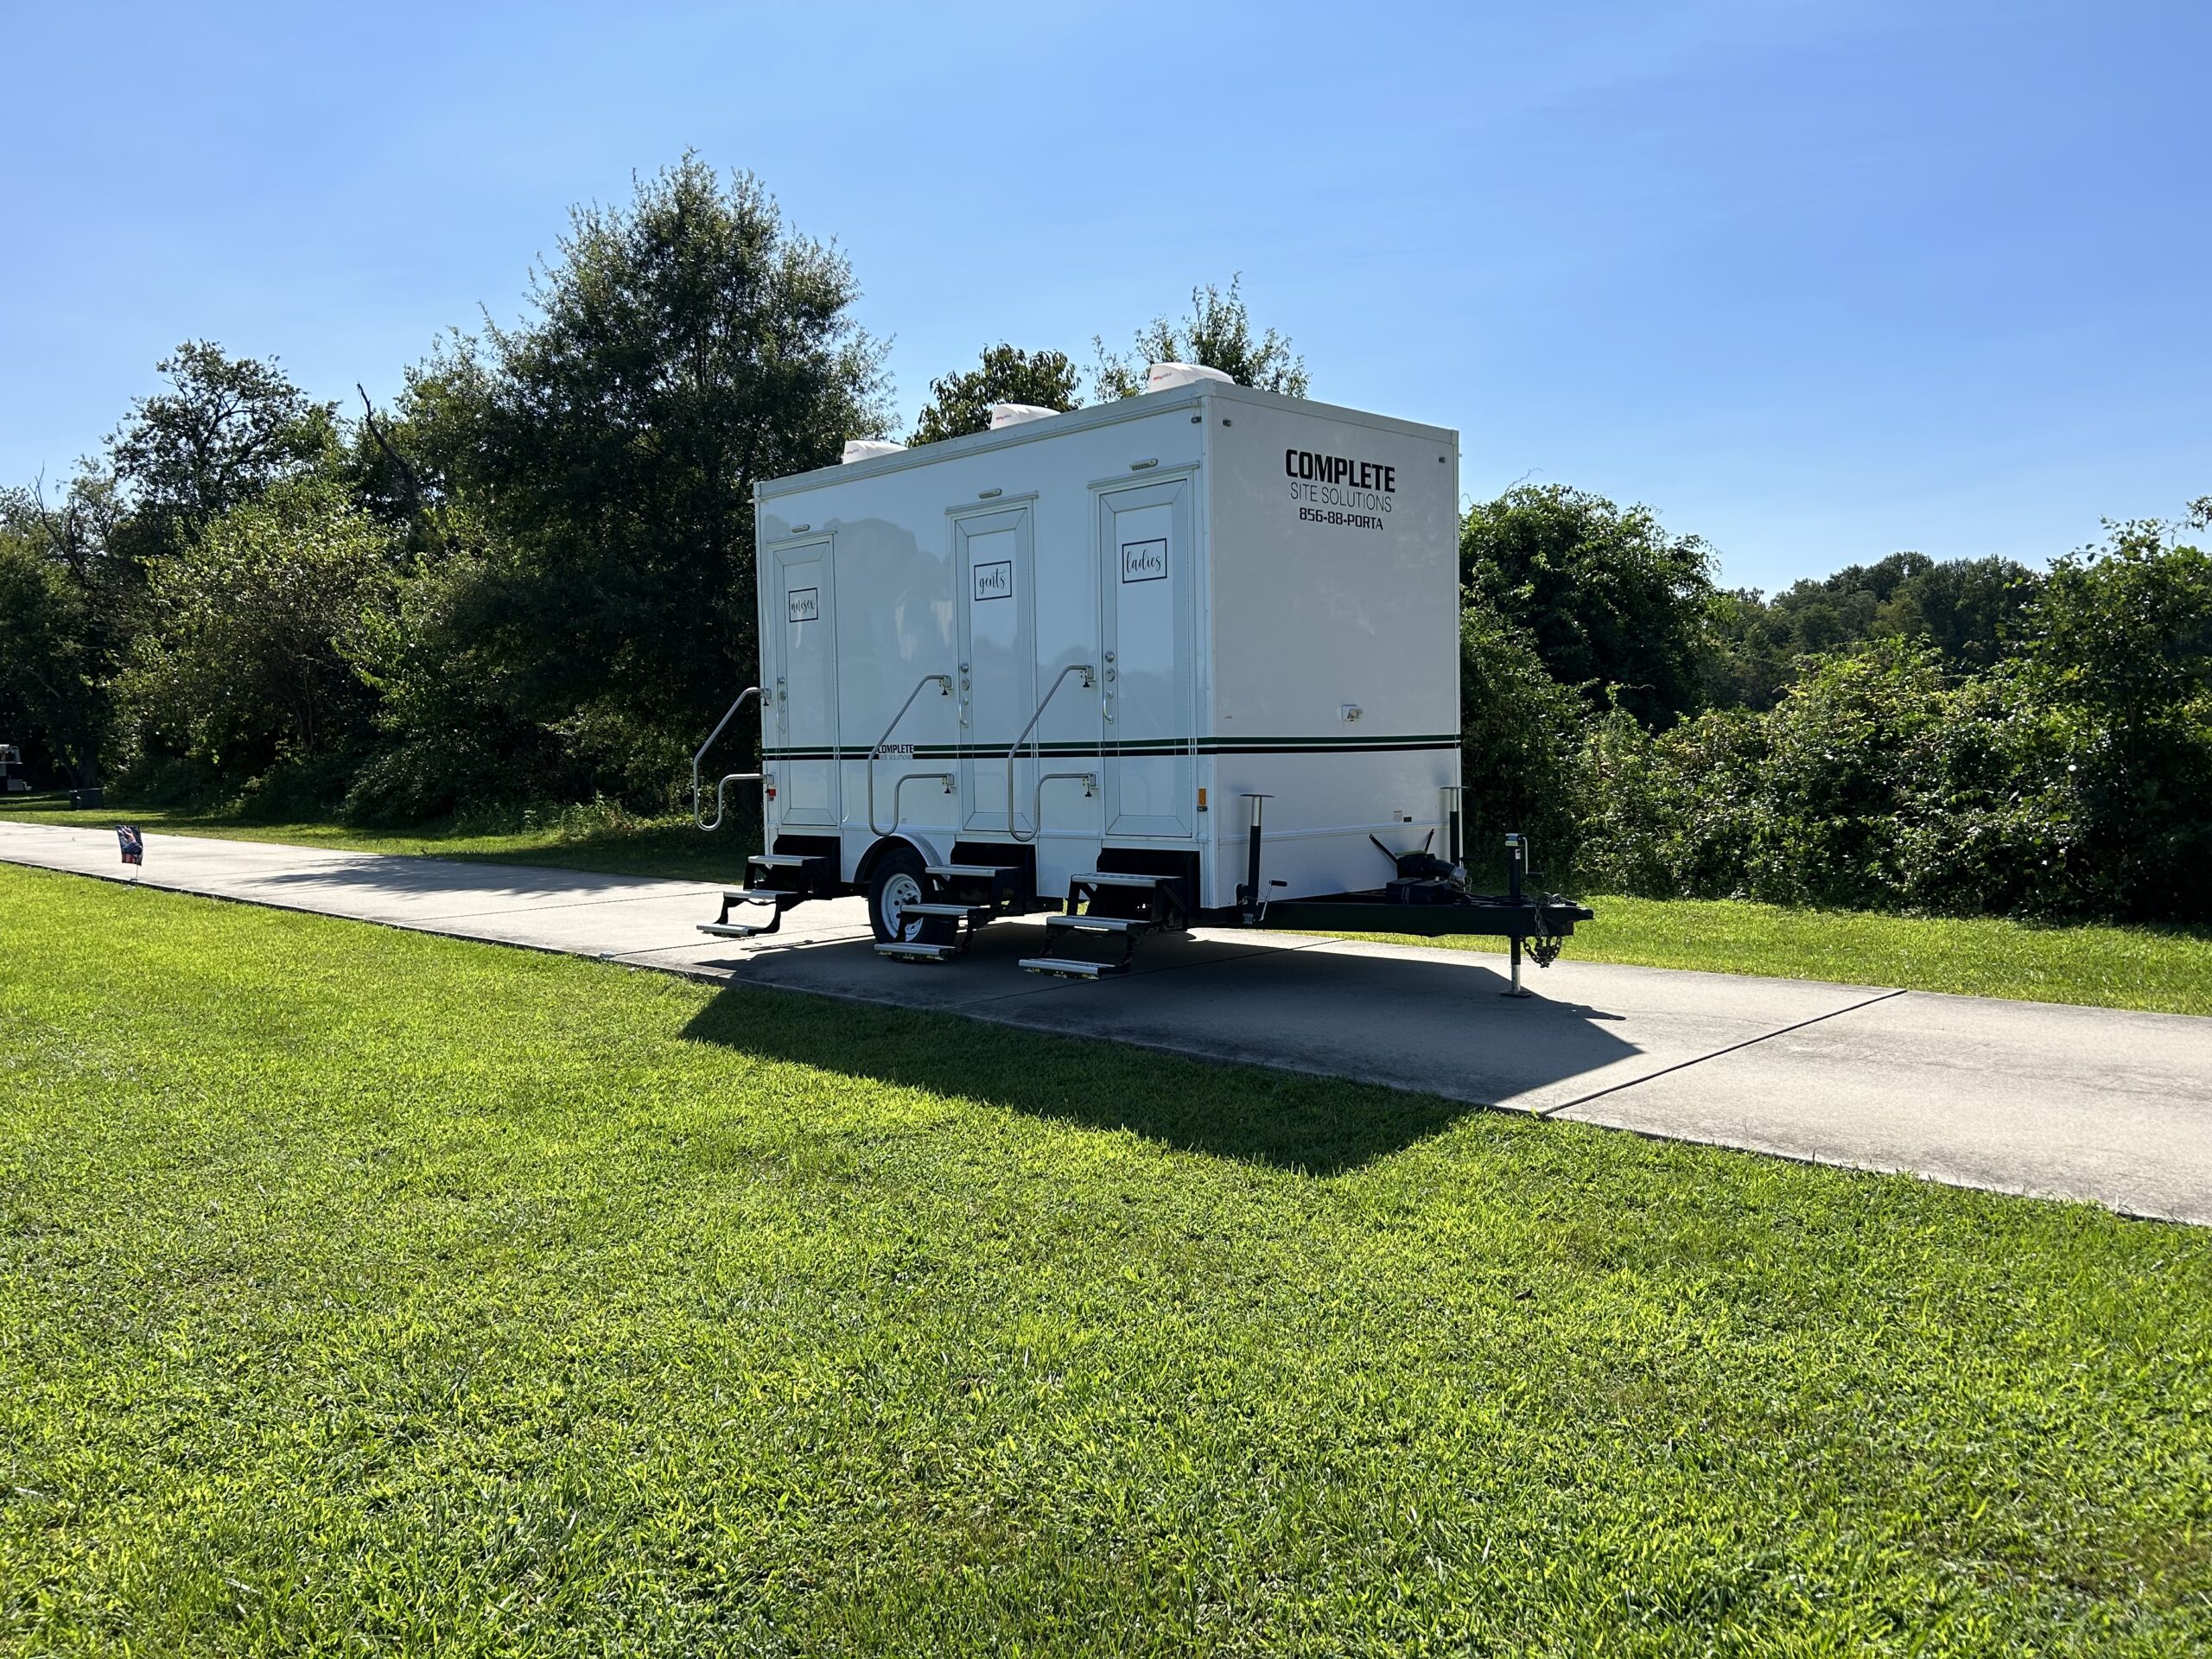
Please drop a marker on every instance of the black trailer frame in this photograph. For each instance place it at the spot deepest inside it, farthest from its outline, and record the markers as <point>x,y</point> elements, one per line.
<point>1428,900</point>
<point>1437,906</point>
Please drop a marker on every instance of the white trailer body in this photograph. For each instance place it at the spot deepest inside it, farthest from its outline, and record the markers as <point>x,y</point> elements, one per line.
<point>1264,589</point>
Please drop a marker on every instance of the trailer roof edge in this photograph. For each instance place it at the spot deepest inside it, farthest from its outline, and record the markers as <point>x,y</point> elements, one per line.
<point>1074,420</point>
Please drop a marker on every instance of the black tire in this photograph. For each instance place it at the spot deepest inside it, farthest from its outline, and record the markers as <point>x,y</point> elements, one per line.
<point>897,880</point>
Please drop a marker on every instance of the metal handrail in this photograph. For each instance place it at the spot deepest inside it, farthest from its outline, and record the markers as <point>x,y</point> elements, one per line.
<point>1089,678</point>
<point>1088,780</point>
<point>944,689</point>
<point>732,778</point>
<point>898,789</point>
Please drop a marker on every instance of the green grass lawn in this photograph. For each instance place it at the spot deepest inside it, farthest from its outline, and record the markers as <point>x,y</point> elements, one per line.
<point>367,1291</point>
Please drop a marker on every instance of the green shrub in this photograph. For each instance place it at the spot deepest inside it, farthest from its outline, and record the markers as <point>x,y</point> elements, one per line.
<point>1519,733</point>
<point>297,791</point>
<point>174,780</point>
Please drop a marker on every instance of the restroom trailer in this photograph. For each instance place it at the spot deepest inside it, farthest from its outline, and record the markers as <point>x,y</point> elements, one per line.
<point>1189,657</point>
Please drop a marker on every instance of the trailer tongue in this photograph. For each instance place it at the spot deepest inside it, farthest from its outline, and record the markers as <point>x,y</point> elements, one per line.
<point>1436,903</point>
<point>1187,660</point>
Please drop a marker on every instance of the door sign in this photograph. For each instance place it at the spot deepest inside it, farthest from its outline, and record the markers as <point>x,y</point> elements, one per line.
<point>1145,561</point>
<point>994,580</point>
<point>803,605</point>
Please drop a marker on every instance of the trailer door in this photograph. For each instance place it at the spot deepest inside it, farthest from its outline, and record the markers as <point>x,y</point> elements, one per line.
<point>801,627</point>
<point>998,661</point>
<point>1147,702</point>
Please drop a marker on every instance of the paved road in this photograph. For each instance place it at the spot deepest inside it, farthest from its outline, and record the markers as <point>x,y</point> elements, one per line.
<point>2090,1103</point>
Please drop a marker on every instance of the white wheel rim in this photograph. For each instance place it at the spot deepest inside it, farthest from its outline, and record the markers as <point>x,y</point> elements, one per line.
<point>900,892</point>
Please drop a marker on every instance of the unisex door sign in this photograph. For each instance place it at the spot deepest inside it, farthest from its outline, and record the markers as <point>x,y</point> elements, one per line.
<point>1145,561</point>
<point>994,580</point>
<point>805,605</point>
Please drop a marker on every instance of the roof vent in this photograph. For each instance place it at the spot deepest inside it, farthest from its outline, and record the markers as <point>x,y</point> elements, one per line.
<point>868,449</point>
<point>1015,414</point>
<point>1161,376</point>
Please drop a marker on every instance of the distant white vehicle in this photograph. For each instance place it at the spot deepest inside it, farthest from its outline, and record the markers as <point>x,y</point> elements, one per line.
<point>12,781</point>
<point>1188,657</point>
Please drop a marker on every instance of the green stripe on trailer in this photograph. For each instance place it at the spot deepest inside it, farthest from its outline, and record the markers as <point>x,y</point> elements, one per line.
<point>1063,750</point>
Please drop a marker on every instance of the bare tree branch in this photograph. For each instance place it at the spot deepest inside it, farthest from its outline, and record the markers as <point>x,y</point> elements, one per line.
<point>407,470</point>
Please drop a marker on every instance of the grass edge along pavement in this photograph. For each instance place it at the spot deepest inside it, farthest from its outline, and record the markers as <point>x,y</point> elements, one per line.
<point>604,841</point>
<point>367,1289</point>
<point>2156,970</point>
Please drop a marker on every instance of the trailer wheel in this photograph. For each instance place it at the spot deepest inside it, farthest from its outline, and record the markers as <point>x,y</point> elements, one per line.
<point>897,881</point>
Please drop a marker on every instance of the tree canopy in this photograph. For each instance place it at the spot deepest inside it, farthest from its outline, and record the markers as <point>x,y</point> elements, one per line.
<point>1971,610</point>
<point>241,661</point>
<point>224,430</point>
<point>1217,334</point>
<point>961,402</point>
<point>1612,602</point>
<point>681,347</point>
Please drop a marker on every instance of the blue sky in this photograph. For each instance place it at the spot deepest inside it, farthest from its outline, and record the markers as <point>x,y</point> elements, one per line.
<point>1818,280</point>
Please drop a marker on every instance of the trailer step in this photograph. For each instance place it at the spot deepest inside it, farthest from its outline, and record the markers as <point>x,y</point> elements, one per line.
<point>901,950</point>
<point>1071,968</point>
<point>789,873</point>
<point>951,913</point>
<point>737,930</point>
<point>967,872</point>
<point>1119,878</point>
<point>748,895</point>
<point>1120,926</point>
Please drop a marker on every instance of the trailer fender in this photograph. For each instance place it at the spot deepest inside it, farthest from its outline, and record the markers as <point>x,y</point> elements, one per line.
<point>919,843</point>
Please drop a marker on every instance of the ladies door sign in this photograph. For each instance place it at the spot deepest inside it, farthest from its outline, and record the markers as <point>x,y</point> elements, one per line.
<point>1145,561</point>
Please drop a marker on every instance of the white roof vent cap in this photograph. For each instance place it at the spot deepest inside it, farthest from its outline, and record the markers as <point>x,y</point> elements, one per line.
<point>1161,376</point>
<point>1015,414</point>
<point>868,450</point>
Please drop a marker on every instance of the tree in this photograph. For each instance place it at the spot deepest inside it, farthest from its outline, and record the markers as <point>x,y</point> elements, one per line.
<point>1217,335</point>
<point>1614,604</point>
<point>960,404</point>
<point>65,621</point>
<point>2118,652</point>
<point>48,684</point>
<point>1520,731</point>
<point>1973,611</point>
<point>681,347</point>
<point>227,430</point>
<point>454,738</point>
<point>245,664</point>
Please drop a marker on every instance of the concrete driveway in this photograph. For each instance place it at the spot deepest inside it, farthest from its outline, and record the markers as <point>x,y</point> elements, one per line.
<point>2090,1103</point>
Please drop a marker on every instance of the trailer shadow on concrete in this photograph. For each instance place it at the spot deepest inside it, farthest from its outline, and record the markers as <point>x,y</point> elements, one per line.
<point>1092,1054</point>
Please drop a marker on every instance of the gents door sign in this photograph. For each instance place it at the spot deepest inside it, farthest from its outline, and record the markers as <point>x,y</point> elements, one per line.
<point>1145,561</point>
<point>803,605</point>
<point>994,580</point>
